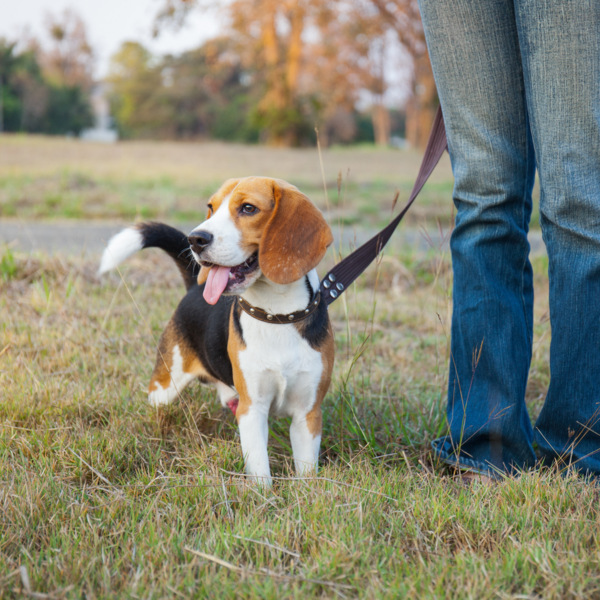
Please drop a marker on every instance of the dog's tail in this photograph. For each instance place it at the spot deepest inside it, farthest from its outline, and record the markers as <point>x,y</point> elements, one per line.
<point>151,235</point>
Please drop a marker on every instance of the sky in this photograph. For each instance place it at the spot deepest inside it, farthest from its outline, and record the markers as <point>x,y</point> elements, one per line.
<point>109,23</point>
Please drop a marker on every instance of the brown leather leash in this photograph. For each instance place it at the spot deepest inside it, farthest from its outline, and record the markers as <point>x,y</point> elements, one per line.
<point>347,270</point>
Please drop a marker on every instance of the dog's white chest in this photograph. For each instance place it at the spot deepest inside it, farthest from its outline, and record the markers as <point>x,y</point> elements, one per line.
<point>282,372</point>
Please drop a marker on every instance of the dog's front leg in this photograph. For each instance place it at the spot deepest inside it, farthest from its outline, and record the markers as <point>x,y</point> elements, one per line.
<point>254,434</point>
<point>305,435</point>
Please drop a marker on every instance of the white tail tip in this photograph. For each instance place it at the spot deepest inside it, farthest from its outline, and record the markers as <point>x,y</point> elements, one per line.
<point>121,246</point>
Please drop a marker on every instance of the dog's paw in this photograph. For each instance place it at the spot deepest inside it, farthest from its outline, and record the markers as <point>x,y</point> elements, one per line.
<point>161,396</point>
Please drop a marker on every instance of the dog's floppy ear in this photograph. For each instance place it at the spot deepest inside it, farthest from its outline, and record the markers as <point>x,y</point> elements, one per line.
<point>203,275</point>
<point>295,238</point>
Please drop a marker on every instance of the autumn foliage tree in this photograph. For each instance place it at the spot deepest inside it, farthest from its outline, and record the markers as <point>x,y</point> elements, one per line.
<point>403,16</point>
<point>312,59</point>
<point>70,59</point>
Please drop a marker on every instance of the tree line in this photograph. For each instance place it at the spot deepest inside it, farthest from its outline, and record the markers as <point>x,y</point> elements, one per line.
<point>309,62</point>
<point>208,93</point>
<point>280,70</point>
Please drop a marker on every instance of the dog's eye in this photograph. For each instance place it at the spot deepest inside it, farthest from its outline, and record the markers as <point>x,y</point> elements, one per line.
<point>210,209</point>
<point>248,209</point>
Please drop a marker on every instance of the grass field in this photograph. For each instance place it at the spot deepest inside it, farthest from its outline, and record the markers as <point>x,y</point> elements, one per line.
<point>44,178</point>
<point>102,496</point>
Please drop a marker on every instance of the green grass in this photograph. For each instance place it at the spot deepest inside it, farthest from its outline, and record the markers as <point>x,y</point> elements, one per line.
<point>103,497</point>
<point>75,195</point>
<point>79,196</point>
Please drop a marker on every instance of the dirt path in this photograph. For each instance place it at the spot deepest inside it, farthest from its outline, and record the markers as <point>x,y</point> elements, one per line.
<point>89,238</point>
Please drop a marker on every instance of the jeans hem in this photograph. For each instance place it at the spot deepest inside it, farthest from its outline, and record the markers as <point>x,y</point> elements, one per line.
<point>463,462</point>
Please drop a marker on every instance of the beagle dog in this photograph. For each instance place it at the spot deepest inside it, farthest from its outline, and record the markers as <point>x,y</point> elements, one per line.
<point>252,323</point>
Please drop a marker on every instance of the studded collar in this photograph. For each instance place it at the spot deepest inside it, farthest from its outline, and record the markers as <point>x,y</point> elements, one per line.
<point>265,317</point>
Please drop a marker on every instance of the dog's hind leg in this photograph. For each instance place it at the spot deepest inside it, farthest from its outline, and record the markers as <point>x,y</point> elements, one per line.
<point>176,367</point>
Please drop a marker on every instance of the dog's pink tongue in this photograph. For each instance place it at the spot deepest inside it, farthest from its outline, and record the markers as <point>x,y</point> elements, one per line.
<point>216,283</point>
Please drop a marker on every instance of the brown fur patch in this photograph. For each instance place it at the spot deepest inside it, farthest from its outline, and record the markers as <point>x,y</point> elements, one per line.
<point>296,237</point>
<point>314,419</point>
<point>257,191</point>
<point>218,197</point>
<point>164,359</point>
<point>235,345</point>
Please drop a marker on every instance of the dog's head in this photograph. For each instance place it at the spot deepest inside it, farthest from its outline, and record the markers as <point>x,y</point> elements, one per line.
<point>255,226</point>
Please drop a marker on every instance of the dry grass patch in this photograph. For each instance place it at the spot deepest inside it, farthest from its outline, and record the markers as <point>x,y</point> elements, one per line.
<point>205,162</point>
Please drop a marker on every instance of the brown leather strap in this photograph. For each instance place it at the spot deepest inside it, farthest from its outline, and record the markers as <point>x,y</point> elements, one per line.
<point>347,270</point>
<point>263,315</point>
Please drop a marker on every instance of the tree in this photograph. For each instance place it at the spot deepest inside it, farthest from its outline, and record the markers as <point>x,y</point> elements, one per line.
<point>133,83</point>
<point>24,91</point>
<point>206,89</point>
<point>404,17</point>
<point>68,111</point>
<point>70,60</point>
<point>269,36</point>
<point>300,53</point>
<point>68,68</point>
<point>32,90</point>
<point>47,92</point>
<point>198,94</point>
<point>7,61</point>
<point>312,59</point>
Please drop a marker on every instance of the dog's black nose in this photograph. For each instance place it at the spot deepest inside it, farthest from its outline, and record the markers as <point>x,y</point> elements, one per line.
<point>199,240</point>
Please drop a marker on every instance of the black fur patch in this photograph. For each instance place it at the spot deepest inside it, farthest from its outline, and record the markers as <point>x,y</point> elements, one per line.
<point>206,330</point>
<point>175,244</point>
<point>315,328</point>
<point>237,311</point>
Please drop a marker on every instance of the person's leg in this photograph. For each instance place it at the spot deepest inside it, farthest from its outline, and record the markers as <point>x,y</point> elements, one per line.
<point>560,42</point>
<point>476,61</point>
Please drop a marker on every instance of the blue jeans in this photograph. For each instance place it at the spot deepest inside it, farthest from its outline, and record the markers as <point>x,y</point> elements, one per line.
<point>519,85</point>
